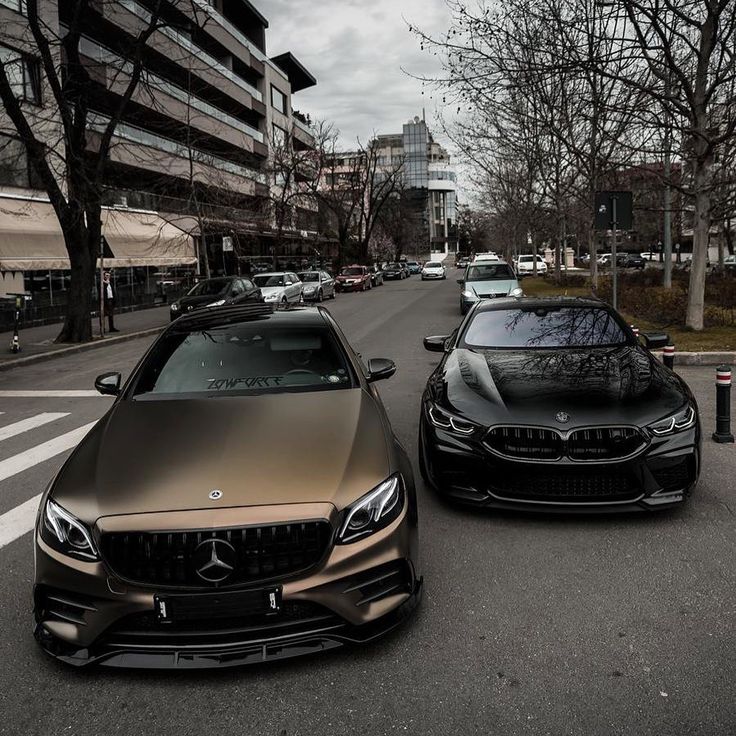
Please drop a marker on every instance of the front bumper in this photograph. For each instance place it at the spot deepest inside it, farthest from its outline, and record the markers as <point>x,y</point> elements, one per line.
<point>433,276</point>
<point>340,286</point>
<point>466,471</point>
<point>85,615</point>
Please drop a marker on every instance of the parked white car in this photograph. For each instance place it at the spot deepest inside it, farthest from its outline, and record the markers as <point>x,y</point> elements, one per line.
<point>525,265</point>
<point>433,270</point>
<point>280,287</point>
<point>480,257</point>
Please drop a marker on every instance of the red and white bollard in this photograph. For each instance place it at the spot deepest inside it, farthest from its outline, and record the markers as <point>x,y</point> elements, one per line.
<point>668,356</point>
<point>723,433</point>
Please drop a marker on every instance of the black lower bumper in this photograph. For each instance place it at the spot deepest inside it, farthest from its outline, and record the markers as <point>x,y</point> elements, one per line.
<point>234,653</point>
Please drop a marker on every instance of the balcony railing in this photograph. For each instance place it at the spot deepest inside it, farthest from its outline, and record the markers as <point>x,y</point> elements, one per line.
<point>199,53</point>
<point>134,134</point>
<point>303,126</point>
<point>105,56</point>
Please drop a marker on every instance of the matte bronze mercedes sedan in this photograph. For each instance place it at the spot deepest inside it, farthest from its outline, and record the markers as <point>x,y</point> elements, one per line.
<point>244,499</point>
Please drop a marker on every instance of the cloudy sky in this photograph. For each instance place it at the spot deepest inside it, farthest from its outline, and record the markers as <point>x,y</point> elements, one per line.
<point>357,51</point>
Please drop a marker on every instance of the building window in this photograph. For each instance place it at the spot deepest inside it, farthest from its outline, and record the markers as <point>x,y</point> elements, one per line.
<point>24,74</point>
<point>279,137</point>
<point>18,5</point>
<point>15,169</point>
<point>278,100</point>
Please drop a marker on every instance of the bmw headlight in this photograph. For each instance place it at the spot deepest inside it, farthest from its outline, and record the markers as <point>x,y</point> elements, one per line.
<point>374,511</point>
<point>440,418</point>
<point>218,303</point>
<point>66,534</point>
<point>175,307</point>
<point>684,419</point>
<point>467,294</point>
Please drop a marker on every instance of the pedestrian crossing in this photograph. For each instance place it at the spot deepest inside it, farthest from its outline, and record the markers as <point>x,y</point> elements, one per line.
<point>24,444</point>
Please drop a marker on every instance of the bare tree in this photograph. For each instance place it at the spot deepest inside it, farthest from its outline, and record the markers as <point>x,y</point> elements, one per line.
<point>66,142</point>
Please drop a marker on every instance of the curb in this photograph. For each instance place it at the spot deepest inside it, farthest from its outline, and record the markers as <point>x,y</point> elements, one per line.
<point>7,365</point>
<point>703,358</point>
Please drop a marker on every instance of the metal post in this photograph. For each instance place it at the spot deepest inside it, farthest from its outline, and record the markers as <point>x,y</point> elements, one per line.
<point>15,342</point>
<point>667,195</point>
<point>614,265</point>
<point>102,286</point>
<point>668,356</point>
<point>723,434</point>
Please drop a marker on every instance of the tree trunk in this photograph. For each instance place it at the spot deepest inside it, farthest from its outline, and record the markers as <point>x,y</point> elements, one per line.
<point>78,321</point>
<point>701,231</point>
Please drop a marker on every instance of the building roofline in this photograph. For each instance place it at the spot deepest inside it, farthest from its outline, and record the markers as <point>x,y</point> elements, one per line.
<point>299,76</point>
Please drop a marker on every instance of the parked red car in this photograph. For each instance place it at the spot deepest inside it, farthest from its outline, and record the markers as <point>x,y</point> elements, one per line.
<point>354,278</point>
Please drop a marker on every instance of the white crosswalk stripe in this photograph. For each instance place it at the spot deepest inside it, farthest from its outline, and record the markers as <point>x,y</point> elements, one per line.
<point>20,520</point>
<point>45,451</point>
<point>25,425</point>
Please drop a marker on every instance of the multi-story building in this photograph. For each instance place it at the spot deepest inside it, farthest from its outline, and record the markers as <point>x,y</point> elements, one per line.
<point>430,182</point>
<point>191,161</point>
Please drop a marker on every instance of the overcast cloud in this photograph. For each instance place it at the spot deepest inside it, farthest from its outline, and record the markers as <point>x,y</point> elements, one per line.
<point>357,51</point>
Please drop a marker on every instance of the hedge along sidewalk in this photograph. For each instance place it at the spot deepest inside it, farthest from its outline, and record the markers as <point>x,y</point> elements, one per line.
<point>37,342</point>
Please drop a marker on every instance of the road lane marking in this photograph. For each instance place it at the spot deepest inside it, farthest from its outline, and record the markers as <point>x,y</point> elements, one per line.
<point>11,430</point>
<point>49,394</point>
<point>19,521</point>
<point>45,451</point>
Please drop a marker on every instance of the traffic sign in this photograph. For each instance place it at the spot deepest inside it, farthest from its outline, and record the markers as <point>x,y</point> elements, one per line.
<point>610,204</point>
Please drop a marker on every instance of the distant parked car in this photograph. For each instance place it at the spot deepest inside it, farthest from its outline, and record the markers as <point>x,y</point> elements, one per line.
<point>216,293</point>
<point>462,262</point>
<point>433,270</point>
<point>480,257</point>
<point>376,275</point>
<point>525,265</point>
<point>394,271</point>
<point>729,263</point>
<point>280,287</point>
<point>413,267</point>
<point>604,259</point>
<point>650,256</point>
<point>354,278</point>
<point>317,285</point>
<point>633,260</point>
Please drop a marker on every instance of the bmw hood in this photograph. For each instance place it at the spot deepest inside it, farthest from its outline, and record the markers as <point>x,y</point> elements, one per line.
<point>168,455</point>
<point>601,386</point>
<point>495,287</point>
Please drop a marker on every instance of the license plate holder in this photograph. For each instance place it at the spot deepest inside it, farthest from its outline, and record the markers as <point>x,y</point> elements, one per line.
<point>217,605</point>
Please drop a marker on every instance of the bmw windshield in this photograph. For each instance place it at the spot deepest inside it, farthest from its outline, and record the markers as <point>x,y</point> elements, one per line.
<point>545,327</point>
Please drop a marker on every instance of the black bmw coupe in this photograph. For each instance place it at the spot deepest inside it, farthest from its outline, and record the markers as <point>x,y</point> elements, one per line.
<point>555,404</point>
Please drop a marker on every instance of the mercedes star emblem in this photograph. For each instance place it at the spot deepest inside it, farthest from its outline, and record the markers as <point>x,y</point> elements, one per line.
<point>562,417</point>
<point>214,560</point>
<point>215,495</point>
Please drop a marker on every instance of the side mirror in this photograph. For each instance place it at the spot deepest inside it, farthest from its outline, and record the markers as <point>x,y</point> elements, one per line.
<point>108,384</point>
<point>435,343</point>
<point>654,340</point>
<point>461,281</point>
<point>380,368</point>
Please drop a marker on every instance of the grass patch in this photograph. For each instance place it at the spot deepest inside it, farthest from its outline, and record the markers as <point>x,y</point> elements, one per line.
<point>711,339</point>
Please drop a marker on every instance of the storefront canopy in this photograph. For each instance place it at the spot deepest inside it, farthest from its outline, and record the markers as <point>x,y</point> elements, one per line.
<point>31,238</point>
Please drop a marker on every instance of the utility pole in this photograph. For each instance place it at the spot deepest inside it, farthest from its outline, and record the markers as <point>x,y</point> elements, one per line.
<point>667,193</point>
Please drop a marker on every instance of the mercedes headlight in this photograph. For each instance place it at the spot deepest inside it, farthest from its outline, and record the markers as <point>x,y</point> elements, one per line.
<point>440,418</point>
<point>516,292</point>
<point>218,303</point>
<point>374,511</point>
<point>684,419</point>
<point>65,533</point>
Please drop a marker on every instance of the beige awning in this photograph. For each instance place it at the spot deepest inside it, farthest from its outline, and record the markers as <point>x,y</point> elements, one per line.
<point>31,238</point>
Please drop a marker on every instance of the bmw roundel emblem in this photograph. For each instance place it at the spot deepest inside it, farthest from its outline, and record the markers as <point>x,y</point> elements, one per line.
<point>215,495</point>
<point>562,417</point>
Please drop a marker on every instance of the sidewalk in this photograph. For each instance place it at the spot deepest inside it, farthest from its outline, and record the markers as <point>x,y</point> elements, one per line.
<point>39,341</point>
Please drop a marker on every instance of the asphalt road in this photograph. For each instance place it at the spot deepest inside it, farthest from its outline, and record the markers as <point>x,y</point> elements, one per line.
<point>529,625</point>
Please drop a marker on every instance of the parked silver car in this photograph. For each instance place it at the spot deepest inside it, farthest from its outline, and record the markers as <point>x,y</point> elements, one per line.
<point>280,287</point>
<point>317,285</point>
